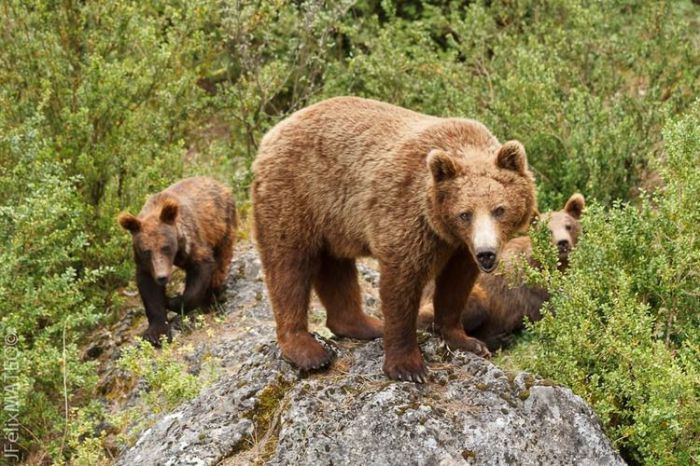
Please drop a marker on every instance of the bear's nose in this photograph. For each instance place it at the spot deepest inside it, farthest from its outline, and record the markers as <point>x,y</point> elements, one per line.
<point>563,245</point>
<point>487,260</point>
<point>162,280</point>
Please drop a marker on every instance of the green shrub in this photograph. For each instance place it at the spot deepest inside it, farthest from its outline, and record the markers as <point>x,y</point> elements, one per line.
<point>626,330</point>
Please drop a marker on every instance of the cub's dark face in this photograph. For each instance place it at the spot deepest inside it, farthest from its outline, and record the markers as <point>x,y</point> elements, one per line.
<point>155,241</point>
<point>565,227</point>
<point>482,205</point>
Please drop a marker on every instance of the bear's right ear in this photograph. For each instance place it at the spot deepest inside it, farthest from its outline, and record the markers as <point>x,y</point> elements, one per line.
<point>169,211</point>
<point>129,222</point>
<point>441,165</point>
<point>511,156</point>
<point>575,205</point>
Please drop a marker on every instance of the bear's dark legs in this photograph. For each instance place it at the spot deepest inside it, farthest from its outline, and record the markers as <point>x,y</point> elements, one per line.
<point>400,291</point>
<point>197,288</point>
<point>223,254</point>
<point>339,291</point>
<point>155,303</point>
<point>288,275</point>
<point>452,287</point>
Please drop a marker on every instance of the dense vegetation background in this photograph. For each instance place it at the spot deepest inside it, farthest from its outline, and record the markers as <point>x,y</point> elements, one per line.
<point>104,102</point>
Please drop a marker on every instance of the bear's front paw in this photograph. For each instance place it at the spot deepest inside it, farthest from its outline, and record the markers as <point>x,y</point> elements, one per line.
<point>458,340</point>
<point>154,333</point>
<point>408,367</point>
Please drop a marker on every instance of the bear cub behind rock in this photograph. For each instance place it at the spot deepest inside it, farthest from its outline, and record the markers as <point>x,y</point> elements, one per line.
<point>498,303</point>
<point>191,225</point>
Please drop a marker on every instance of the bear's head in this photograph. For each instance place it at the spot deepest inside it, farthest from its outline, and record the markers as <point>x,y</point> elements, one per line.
<point>155,239</point>
<point>565,227</point>
<point>481,201</point>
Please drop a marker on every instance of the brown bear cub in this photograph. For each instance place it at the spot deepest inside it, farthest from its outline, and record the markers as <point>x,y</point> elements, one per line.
<point>192,225</point>
<point>427,197</point>
<point>496,306</point>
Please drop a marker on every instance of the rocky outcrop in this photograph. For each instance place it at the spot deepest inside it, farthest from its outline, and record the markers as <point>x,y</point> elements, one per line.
<point>263,411</point>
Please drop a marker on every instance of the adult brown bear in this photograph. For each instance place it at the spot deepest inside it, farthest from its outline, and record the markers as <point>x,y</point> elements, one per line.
<point>426,196</point>
<point>192,225</point>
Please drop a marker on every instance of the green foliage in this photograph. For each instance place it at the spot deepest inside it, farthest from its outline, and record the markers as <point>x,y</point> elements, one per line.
<point>623,327</point>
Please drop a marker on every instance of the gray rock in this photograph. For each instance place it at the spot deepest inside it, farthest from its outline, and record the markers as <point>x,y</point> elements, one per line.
<point>264,411</point>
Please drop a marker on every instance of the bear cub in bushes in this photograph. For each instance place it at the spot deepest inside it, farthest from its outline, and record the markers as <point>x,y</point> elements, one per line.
<point>426,196</point>
<point>191,225</point>
<point>496,306</point>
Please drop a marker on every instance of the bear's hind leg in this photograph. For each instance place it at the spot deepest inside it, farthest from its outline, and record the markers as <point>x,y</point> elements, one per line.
<point>452,287</point>
<point>339,291</point>
<point>288,274</point>
<point>223,255</point>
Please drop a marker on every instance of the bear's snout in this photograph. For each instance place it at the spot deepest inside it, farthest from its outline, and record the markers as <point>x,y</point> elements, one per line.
<point>564,245</point>
<point>487,260</point>
<point>162,280</point>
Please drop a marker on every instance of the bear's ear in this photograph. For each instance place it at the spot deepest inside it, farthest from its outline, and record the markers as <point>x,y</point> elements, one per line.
<point>442,166</point>
<point>129,222</point>
<point>511,156</point>
<point>168,213</point>
<point>575,205</point>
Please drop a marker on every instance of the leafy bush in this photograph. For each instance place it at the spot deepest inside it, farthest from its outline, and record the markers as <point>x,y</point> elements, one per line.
<point>626,330</point>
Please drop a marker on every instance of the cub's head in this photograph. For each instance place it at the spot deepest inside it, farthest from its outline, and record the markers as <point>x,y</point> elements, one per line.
<point>481,201</point>
<point>155,239</point>
<point>565,226</point>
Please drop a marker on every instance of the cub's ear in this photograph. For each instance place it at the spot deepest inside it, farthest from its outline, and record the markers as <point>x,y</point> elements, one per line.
<point>168,213</point>
<point>129,222</point>
<point>442,166</point>
<point>575,205</point>
<point>511,156</point>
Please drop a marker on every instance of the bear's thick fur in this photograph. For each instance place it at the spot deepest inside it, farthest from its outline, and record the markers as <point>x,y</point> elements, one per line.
<point>192,225</point>
<point>426,196</point>
<point>497,307</point>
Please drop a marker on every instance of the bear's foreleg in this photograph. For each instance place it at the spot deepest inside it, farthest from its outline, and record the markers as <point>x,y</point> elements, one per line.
<point>400,290</point>
<point>338,289</point>
<point>197,288</point>
<point>155,302</point>
<point>452,288</point>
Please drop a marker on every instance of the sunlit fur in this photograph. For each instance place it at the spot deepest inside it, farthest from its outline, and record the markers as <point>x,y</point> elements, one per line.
<point>351,177</point>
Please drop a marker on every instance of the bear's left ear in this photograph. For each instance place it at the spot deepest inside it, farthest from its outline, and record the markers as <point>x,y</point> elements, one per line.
<point>511,156</point>
<point>168,213</point>
<point>441,165</point>
<point>575,205</point>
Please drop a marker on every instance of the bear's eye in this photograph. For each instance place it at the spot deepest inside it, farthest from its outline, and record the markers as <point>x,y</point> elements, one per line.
<point>498,212</point>
<point>146,253</point>
<point>568,228</point>
<point>465,216</point>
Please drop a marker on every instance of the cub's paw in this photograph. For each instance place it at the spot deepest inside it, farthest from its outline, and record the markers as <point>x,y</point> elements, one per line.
<point>305,352</point>
<point>362,327</point>
<point>458,340</point>
<point>154,333</point>
<point>409,368</point>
